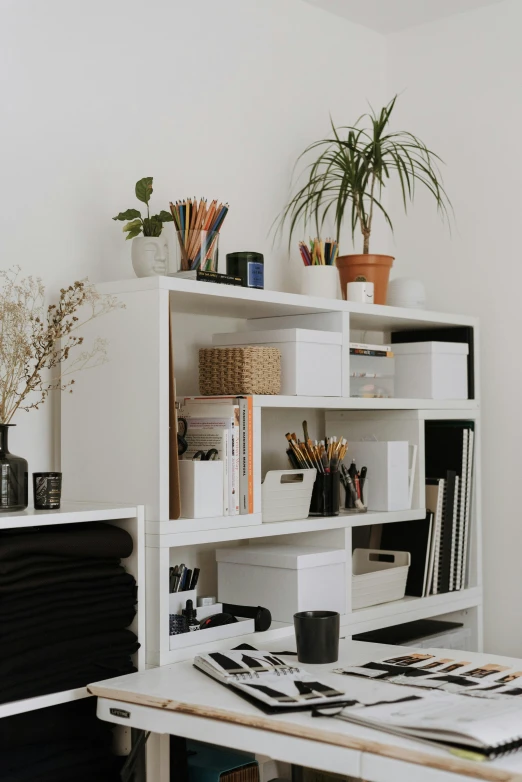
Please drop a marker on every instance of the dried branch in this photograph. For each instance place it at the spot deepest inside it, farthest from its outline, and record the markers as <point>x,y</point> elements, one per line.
<point>35,340</point>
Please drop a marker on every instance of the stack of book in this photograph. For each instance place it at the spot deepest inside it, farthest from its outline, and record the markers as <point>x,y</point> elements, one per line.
<point>225,424</point>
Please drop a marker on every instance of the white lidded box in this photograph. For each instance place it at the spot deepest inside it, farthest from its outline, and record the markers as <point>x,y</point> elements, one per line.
<point>431,370</point>
<point>378,576</point>
<point>388,464</point>
<point>201,488</point>
<point>310,359</point>
<point>284,579</point>
<point>286,494</point>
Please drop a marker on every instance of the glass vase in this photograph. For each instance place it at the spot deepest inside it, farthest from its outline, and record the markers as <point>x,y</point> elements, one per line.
<point>14,479</point>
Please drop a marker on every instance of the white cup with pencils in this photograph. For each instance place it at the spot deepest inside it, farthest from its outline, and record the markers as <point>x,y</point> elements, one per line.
<point>320,276</point>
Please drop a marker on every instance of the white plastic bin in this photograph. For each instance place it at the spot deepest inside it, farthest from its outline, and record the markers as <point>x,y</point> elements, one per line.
<point>310,359</point>
<point>284,579</point>
<point>378,576</point>
<point>286,494</point>
<point>431,370</point>
<point>201,489</point>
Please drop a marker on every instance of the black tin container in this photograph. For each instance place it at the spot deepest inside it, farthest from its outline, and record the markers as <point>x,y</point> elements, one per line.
<point>47,490</point>
<point>249,266</point>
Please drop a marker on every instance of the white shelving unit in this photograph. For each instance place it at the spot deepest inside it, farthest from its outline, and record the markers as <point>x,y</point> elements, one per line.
<point>132,519</point>
<point>115,436</point>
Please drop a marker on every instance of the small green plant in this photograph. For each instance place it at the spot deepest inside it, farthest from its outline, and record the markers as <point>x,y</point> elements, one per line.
<point>150,226</point>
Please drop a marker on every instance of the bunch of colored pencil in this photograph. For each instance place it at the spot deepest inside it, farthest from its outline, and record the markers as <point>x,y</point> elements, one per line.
<point>319,253</point>
<point>197,228</point>
<point>324,455</point>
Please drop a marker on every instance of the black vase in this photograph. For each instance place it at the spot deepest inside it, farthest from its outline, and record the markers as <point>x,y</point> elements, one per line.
<point>14,479</point>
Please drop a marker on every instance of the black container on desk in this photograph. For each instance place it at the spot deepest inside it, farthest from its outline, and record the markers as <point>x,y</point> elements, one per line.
<point>249,266</point>
<point>325,494</point>
<point>317,636</point>
<point>47,490</point>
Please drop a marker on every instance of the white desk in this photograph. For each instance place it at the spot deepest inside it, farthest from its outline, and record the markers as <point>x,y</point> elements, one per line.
<point>180,700</point>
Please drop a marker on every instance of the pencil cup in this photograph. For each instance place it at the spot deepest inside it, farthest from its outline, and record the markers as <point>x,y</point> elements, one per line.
<point>325,495</point>
<point>320,281</point>
<point>196,250</point>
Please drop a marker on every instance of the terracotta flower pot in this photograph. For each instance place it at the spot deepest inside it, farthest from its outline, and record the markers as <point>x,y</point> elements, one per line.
<point>366,268</point>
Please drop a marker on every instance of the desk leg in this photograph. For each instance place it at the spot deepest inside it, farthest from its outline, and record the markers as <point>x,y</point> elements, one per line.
<point>178,759</point>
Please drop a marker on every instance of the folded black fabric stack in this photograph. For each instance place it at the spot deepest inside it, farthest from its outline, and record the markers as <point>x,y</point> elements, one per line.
<point>58,744</point>
<point>65,601</point>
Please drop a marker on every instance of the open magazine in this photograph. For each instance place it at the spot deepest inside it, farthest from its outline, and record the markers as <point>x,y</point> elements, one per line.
<point>487,680</point>
<point>267,681</point>
<point>479,729</point>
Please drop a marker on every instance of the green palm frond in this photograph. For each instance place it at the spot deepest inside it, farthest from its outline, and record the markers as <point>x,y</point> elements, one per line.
<point>346,180</point>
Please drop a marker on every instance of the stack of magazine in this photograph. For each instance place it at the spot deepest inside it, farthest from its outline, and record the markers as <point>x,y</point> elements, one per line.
<point>432,705</point>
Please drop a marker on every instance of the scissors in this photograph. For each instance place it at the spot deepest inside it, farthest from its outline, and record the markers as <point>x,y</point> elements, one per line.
<point>209,456</point>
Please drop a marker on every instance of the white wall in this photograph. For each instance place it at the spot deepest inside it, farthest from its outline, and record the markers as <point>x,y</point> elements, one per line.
<point>211,98</point>
<point>461,82</point>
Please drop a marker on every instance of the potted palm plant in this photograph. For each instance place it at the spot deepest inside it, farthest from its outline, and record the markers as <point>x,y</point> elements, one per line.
<point>347,180</point>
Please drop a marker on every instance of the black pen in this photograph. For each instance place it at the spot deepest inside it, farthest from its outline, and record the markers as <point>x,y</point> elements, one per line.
<point>362,478</point>
<point>195,577</point>
<point>186,580</point>
<point>181,574</point>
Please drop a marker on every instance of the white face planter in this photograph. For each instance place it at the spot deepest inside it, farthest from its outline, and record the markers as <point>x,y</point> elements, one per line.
<point>150,256</point>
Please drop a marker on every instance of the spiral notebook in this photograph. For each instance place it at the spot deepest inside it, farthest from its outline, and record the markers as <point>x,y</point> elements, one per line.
<point>267,681</point>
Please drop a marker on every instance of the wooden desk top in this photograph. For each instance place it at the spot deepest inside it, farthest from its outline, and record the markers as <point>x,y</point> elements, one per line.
<point>184,690</point>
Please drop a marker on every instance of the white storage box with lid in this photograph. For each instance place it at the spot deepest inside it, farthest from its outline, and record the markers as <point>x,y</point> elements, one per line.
<point>431,370</point>
<point>378,576</point>
<point>284,579</point>
<point>310,359</point>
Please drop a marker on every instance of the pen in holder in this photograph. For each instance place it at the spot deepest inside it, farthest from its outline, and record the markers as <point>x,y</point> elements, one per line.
<point>325,494</point>
<point>353,483</point>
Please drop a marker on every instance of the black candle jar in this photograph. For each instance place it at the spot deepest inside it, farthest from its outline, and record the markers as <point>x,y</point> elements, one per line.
<point>47,490</point>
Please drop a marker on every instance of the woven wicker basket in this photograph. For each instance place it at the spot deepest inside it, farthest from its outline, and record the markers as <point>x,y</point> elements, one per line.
<point>240,370</point>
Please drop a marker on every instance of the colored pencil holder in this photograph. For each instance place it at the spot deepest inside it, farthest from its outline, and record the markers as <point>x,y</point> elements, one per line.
<point>197,250</point>
<point>325,494</point>
<point>320,281</point>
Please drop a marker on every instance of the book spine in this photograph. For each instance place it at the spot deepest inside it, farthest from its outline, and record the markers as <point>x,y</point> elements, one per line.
<point>250,458</point>
<point>362,346</point>
<point>378,353</point>
<point>234,463</point>
<point>243,457</point>
<point>226,460</point>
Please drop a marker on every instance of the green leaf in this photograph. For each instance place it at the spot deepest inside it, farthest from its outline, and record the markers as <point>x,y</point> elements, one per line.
<point>144,189</point>
<point>133,233</point>
<point>132,226</point>
<point>152,226</point>
<point>164,216</point>
<point>129,214</point>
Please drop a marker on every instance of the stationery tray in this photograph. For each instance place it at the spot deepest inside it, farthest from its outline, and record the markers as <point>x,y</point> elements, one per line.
<point>241,627</point>
<point>286,495</point>
<point>375,581</point>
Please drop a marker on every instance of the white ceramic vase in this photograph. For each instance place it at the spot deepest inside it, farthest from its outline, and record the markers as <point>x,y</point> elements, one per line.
<point>150,256</point>
<point>320,281</point>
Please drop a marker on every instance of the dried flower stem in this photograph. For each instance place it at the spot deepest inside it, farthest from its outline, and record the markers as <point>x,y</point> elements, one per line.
<point>35,340</point>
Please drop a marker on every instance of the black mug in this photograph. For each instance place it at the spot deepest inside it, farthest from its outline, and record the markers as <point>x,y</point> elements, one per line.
<point>317,636</point>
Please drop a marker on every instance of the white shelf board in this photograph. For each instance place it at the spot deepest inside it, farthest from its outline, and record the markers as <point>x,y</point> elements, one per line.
<point>276,631</point>
<point>42,701</point>
<point>158,534</point>
<point>409,609</point>
<point>204,298</point>
<point>69,513</point>
<point>175,527</point>
<point>355,403</point>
